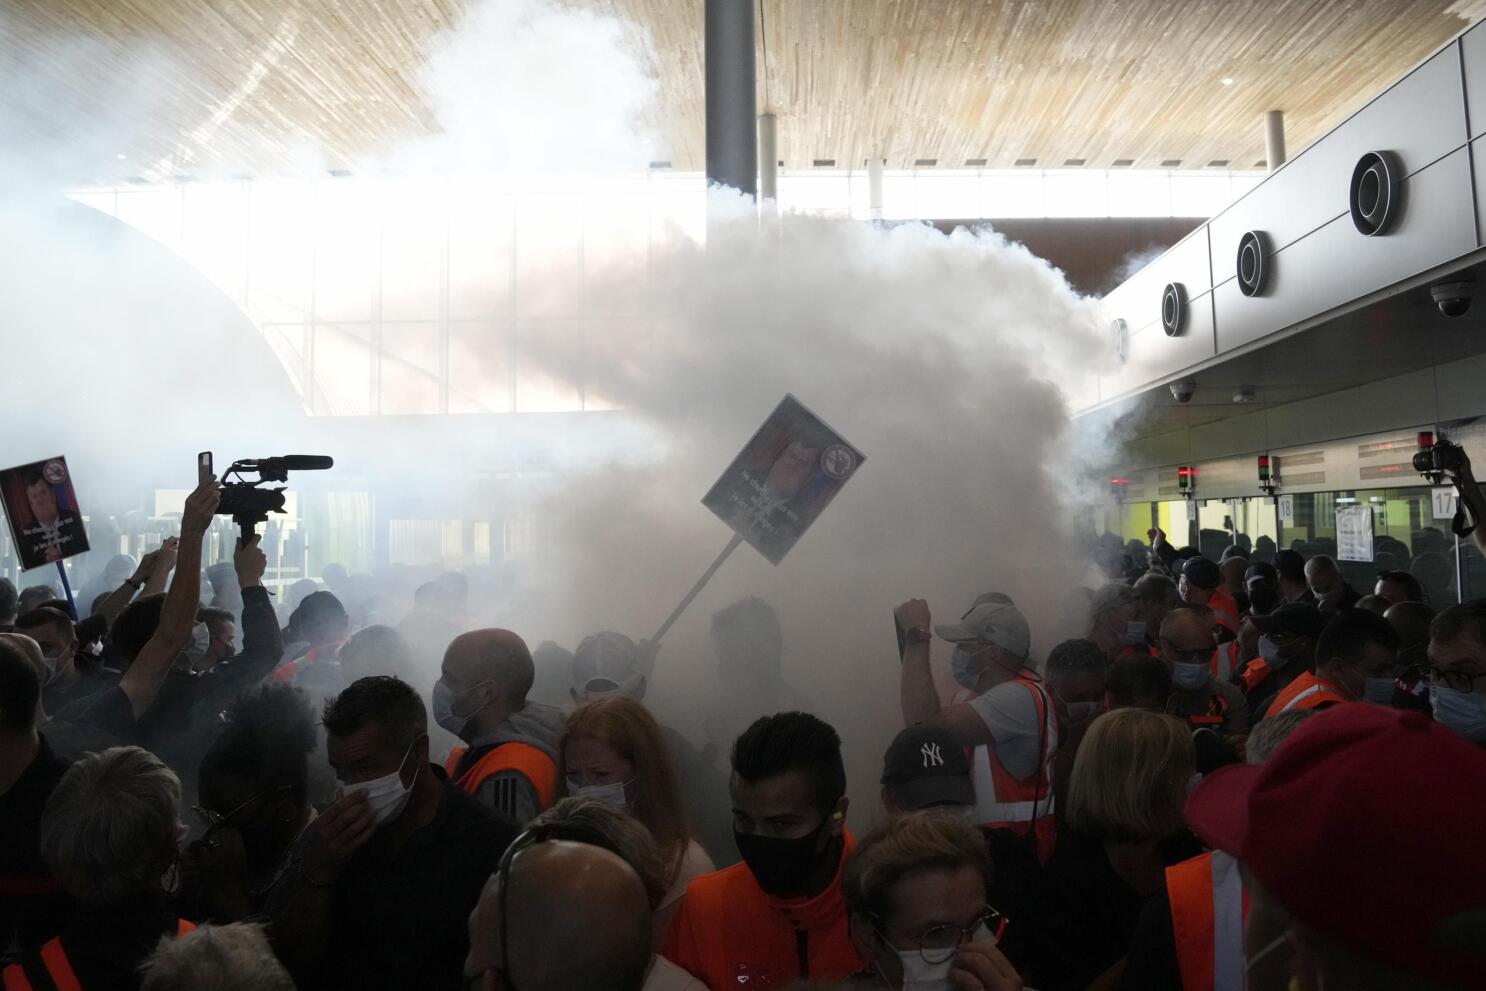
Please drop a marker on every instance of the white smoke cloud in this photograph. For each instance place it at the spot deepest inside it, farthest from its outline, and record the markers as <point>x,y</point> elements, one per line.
<point>939,356</point>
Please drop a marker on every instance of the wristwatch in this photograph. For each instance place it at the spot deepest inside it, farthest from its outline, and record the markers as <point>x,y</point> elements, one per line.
<point>917,635</point>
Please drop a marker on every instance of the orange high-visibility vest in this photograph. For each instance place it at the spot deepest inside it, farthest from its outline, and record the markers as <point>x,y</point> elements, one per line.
<point>1208,909</point>
<point>58,967</point>
<point>530,762</point>
<point>1257,670</point>
<point>1224,662</point>
<point>1022,805</point>
<point>1308,691</point>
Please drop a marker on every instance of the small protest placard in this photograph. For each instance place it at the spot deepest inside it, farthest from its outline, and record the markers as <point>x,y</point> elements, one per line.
<point>41,506</point>
<point>1354,534</point>
<point>783,479</point>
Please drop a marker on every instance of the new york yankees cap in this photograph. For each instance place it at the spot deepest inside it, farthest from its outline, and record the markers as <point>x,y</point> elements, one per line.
<point>924,766</point>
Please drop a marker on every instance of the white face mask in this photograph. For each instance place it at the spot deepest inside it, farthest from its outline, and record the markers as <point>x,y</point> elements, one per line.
<point>611,794</point>
<point>386,795</point>
<point>920,975</point>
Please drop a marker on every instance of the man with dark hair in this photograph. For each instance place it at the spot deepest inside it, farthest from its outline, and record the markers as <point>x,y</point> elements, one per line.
<point>1289,564</point>
<point>320,624</point>
<point>1394,587</point>
<point>254,788</point>
<point>510,761</point>
<point>70,675</point>
<point>9,599</point>
<point>33,904</point>
<point>392,868</point>
<point>221,636</point>
<point>779,916</point>
<point>1201,586</point>
<point>1457,665</point>
<point>1138,683</point>
<point>1287,649</point>
<point>190,702</point>
<point>1356,659</point>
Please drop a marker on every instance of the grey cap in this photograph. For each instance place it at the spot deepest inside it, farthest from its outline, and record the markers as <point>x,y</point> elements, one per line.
<point>606,664</point>
<point>999,623</point>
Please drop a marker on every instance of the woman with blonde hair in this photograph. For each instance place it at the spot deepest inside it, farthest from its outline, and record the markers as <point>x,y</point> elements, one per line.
<point>915,891</point>
<point>1125,827</point>
<point>613,750</point>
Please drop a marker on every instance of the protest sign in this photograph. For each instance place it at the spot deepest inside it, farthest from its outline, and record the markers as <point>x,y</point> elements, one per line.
<point>783,479</point>
<point>41,506</point>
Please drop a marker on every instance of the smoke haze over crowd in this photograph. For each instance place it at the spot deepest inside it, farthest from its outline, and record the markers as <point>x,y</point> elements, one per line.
<point>938,356</point>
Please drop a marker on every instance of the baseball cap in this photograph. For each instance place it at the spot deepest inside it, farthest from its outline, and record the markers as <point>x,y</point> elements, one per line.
<point>606,664</point>
<point>1365,825</point>
<point>927,767</point>
<point>995,622</point>
<point>1201,572</point>
<point>1260,571</point>
<point>1298,619</point>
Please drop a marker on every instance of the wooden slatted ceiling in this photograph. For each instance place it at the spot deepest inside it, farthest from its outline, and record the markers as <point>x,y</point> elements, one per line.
<point>243,85</point>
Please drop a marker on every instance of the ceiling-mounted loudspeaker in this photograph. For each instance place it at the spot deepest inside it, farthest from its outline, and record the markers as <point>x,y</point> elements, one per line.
<point>1174,309</point>
<point>1376,197</point>
<point>1253,265</point>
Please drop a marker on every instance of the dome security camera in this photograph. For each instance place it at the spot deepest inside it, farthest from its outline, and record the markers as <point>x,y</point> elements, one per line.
<point>1182,390</point>
<point>1453,298</point>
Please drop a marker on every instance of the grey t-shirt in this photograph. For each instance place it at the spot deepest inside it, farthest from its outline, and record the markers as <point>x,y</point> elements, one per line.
<point>1011,716</point>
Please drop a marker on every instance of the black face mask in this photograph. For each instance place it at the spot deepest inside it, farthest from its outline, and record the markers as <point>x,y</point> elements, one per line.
<point>781,866</point>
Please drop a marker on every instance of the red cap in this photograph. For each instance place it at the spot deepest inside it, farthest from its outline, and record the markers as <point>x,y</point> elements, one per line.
<point>1367,825</point>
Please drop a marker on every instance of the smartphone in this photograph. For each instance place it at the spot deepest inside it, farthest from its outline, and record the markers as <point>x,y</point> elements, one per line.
<point>204,467</point>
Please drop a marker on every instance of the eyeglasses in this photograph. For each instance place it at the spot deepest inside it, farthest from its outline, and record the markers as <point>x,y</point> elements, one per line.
<point>1460,681</point>
<point>214,820</point>
<point>1197,656</point>
<point>939,943</point>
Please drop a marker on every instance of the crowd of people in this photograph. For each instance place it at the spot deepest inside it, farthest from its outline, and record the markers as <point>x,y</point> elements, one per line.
<point>1246,773</point>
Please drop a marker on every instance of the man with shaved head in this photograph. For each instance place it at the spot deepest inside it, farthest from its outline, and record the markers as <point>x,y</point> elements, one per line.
<point>1187,645</point>
<point>510,761</point>
<point>1331,590</point>
<point>560,915</point>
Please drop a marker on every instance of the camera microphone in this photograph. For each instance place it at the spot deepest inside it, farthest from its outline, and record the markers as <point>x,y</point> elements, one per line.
<point>306,462</point>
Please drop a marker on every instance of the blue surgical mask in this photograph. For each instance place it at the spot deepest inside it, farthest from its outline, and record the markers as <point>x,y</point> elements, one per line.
<point>1463,712</point>
<point>1270,652</point>
<point>1135,634</point>
<point>1378,691</point>
<point>968,665</point>
<point>1189,676</point>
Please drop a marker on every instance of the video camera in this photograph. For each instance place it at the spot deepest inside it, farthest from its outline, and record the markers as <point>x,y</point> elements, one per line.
<point>249,505</point>
<point>1437,458</point>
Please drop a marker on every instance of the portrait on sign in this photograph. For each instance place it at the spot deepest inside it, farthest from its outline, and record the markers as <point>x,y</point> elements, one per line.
<point>41,506</point>
<point>783,479</point>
